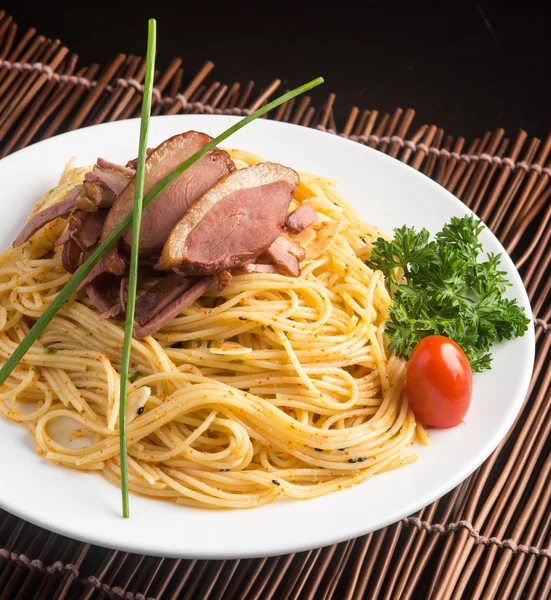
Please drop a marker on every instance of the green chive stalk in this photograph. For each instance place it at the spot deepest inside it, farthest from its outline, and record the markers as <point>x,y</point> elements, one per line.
<point>134,256</point>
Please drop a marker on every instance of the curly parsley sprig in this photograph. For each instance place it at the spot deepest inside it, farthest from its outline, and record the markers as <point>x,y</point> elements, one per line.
<point>439,287</point>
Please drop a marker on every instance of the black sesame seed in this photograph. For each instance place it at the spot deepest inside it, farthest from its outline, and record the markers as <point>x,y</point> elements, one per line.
<point>352,460</point>
<point>361,459</point>
<point>224,470</point>
<point>242,318</point>
<point>318,449</point>
<point>140,410</point>
<point>342,449</point>
<point>276,482</point>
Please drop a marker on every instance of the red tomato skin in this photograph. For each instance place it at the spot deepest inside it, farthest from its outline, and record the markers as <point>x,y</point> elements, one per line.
<point>439,382</point>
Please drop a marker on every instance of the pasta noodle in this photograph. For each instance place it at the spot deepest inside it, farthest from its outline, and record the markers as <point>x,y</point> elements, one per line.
<point>275,386</point>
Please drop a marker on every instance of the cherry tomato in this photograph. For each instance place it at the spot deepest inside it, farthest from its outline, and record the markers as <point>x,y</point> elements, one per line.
<point>439,382</point>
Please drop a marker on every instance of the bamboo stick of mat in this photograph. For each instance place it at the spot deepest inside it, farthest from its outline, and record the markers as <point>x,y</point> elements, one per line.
<point>488,538</point>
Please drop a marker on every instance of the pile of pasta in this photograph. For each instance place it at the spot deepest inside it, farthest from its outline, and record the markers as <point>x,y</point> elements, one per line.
<point>274,386</point>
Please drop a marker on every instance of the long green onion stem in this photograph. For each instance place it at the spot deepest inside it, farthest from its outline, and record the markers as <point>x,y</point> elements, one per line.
<point>134,255</point>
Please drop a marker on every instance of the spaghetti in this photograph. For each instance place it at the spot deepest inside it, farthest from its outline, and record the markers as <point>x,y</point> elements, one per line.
<point>275,386</point>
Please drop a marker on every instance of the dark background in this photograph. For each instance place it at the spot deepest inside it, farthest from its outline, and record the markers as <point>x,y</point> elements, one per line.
<point>465,66</point>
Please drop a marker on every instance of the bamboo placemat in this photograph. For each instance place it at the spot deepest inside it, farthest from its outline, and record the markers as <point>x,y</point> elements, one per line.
<point>488,538</point>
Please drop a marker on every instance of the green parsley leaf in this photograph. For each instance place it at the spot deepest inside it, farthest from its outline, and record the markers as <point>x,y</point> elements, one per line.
<point>50,350</point>
<point>441,287</point>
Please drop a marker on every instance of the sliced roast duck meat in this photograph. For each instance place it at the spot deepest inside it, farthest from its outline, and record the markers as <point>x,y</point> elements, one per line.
<point>98,269</point>
<point>144,274</point>
<point>168,208</point>
<point>106,164</point>
<point>84,228</point>
<point>64,237</point>
<point>90,226</point>
<point>59,209</point>
<point>100,188</point>
<point>98,292</point>
<point>301,218</point>
<point>286,254</point>
<point>159,296</point>
<point>197,288</point>
<point>110,182</point>
<point>81,235</point>
<point>110,178</point>
<point>235,221</point>
<point>70,256</point>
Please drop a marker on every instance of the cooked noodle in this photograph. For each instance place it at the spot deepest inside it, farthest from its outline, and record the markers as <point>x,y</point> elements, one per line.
<point>276,386</point>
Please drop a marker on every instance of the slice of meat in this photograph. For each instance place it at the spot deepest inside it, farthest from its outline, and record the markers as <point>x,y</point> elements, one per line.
<point>106,164</point>
<point>301,218</point>
<point>286,255</point>
<point>170,206</point>
<point>113,261</point>
<point>97,270</point>
<point>97,292</point>
<point>96,194</point>
<point>60,209</point>
<point>235,221</point>
<point>90,228</point>
<point>159,296</point>
<point>111,179</point>
<point>70,256</point>
<point>199,287</point>
<point>64,237</point>
<point>293,247</point>
<point>84,228</point>
<point>92,196</point>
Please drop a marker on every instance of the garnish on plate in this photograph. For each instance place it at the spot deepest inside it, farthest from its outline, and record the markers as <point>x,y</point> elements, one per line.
<point>441,287</point>
<point>134,252</point>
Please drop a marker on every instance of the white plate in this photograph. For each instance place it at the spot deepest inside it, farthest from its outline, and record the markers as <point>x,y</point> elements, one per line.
<point>387,193</point>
